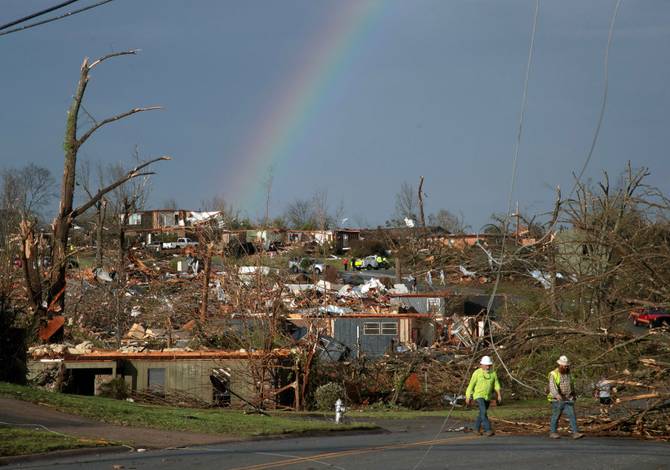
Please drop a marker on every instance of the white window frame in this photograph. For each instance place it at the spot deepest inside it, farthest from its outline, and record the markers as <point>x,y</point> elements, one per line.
<point>372,328</point>
<point>386,326</point>
<point>135,219</point>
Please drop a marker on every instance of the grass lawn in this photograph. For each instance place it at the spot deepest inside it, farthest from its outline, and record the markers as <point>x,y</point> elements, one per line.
<point>515,411</point>
<point>22,441</point>
<point>213,421</point>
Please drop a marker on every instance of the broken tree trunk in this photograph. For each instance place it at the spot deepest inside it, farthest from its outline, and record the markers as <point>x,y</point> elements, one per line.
<point>100,221</point>
<point>421,213</point>
<point>207,272</point>
<point>30,270</point>
<point>66,215</point>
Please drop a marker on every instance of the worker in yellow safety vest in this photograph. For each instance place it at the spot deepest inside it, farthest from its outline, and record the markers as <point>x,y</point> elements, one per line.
<point>562,397</point>
<point>483,383</point>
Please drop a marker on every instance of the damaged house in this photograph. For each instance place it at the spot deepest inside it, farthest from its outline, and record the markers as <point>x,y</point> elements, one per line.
<point>458,316</point>
<point>373,334</point>
<point>178,373</point>
<point>159,224</point>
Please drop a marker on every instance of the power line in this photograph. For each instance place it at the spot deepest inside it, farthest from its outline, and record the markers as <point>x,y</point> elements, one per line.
<point>35,15</point>
<point>55,18</point>
<point>517,146</point>
<point>596,134</point>
<point>601,116</point>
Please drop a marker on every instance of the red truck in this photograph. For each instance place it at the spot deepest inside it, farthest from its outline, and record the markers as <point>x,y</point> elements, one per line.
<point>650,316</point>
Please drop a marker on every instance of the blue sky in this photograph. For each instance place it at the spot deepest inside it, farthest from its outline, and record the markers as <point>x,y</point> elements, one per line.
<point>431,88</point>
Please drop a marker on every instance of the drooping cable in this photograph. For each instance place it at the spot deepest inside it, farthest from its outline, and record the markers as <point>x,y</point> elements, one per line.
<point>36,14</point>
<point>603,105</point>
<point>596,134</point>
<point>517,146</point>
<point>55,18</point>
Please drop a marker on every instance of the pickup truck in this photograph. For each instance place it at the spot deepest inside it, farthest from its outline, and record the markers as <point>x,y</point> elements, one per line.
<point>180,243</point>
<point>650,316</point>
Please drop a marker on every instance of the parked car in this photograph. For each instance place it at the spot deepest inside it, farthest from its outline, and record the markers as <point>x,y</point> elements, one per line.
<point>306,265</point>
<point>650,316</point>
<point>371,262</point>
<point>180,243</point>
<point>154,246</point>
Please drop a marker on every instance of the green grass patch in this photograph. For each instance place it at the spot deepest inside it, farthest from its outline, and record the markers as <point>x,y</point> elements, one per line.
<point>516,410</point>
<point>213,421</point>
<point>24,441</point>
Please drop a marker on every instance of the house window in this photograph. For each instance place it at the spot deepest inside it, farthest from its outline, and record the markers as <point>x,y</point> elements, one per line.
<point>380,328</point>
<point>157,379</point>
<point>371,328</point>
<point>389,328</point>
<point>166,220</point>
<point>134,219</point>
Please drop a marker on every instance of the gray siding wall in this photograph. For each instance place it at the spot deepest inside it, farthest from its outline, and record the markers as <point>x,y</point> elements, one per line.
<point>189,376</point>
<point>370,345</point>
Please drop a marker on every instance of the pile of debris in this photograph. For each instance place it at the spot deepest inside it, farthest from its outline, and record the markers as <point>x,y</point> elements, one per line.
<point>59,350</point>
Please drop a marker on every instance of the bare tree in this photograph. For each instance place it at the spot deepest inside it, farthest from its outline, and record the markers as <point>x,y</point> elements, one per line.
<point>405,203</point>
<point>53,294</point>
<point>447,220</point>
<point>300,214</point>
<point>610,228</point>
<point>340,220</point>
<point>84,180</point>
<point>27,190</point>
<point>24,194</point>
<point>227,212</point>
<point>320,207</point>
<point>124,200</point>
<point>267,185</point>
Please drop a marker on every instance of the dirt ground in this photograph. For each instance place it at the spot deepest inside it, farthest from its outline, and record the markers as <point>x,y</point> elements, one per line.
<point>20,412</point>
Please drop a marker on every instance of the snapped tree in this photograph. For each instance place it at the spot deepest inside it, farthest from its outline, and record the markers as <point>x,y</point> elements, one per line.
<point>49,296</point>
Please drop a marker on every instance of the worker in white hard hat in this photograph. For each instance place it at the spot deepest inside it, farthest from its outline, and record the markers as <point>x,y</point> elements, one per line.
<point>562,397</point>
<point>483,383</point>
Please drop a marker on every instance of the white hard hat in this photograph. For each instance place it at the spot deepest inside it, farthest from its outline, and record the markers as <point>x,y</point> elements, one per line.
<point>563,361</point>
<point>486,361</point>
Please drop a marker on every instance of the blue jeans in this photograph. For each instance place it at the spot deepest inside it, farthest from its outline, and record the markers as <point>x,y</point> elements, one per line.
<point>558,407</point>
<point>482,418</point>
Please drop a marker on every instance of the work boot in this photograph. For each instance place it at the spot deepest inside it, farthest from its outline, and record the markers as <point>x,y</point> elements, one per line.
<point>554,435</point>
<point>490,433</point>
<point>577,435</point>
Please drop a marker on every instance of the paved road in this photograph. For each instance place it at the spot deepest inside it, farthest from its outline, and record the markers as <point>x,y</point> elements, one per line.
<point>400,448</point>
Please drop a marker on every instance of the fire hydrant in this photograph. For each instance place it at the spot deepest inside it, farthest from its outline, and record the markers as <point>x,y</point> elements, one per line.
<point>339,410</point>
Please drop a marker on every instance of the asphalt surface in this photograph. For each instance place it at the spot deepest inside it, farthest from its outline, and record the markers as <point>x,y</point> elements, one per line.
<point>406,445</point>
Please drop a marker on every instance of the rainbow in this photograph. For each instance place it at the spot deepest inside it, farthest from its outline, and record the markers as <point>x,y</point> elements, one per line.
<point>281,123</point>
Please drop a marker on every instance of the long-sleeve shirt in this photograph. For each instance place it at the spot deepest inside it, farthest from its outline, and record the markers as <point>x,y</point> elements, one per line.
<point>482,384</point>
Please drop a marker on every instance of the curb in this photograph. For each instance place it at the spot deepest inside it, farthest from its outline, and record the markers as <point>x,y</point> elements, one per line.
<point>119,449</point>
<point>61,453</point>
